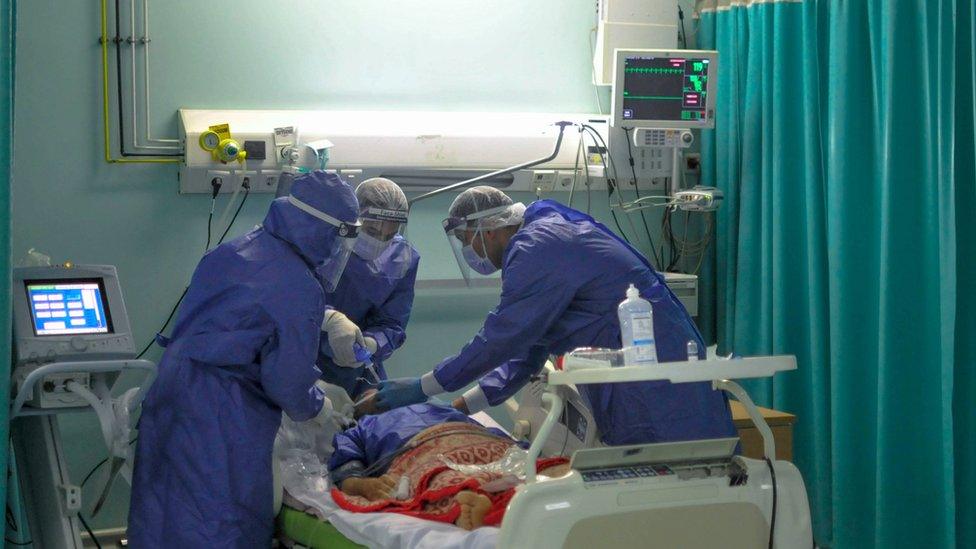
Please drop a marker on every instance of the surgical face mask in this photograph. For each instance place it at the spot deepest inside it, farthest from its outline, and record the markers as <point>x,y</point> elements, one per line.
<point>481,265</point>
<point>370,248</point>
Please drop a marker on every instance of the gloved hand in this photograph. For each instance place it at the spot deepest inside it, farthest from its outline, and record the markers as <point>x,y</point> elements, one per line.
<point>337,408</point>
<point>343,333</point>
<point>404,391</point>
<point>326,414</point>
<point>370,344</point>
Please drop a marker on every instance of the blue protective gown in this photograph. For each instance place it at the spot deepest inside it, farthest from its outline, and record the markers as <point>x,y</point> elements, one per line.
<point>563,276</point>
<point>377,438</point>
<point>243,349</point>
<point>377,296</point>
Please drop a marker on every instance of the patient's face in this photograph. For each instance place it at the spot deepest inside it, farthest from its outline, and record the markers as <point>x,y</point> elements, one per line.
<point>367,404</point>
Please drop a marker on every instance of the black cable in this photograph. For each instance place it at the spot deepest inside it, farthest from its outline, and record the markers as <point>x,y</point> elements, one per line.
<point>772,519</point>
<point>667,227</point>
<point>165,324</point>
<point>100,463</point>
<point>684,37</point>
<point>247,190</point>
<point>633,171</point>
<point>215,184</point>
<point>209,228</point>
<point>610,180</point>
<point>684,243</point>
<point>89,530</point>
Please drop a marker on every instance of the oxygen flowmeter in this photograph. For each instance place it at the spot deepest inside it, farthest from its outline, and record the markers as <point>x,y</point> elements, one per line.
<point>219,143</point>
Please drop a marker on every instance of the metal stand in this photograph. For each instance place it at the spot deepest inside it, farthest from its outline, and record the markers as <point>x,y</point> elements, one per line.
<point>51,501</point>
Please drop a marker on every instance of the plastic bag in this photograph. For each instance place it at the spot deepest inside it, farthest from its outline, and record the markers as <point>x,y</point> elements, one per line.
<point>510,464</point>
<point>302,449</point>
<point>35,258</point>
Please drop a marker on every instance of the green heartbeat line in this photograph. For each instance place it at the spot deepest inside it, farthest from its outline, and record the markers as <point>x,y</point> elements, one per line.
<point>628,96</point>
<point>655,71</point>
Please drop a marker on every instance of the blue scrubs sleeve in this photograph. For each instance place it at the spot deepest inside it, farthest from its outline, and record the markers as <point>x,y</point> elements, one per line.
<point>535,292</point>
<point>288,370</point>
<point>387,324</point>
<point>503,382</point>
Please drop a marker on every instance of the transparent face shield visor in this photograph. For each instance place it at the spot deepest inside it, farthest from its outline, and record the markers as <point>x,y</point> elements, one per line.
<point>342,245</point>
<point>379,228</point>
<point>462,231</point>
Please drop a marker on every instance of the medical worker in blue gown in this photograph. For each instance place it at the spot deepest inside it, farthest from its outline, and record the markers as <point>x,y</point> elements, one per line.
<point>563,276</point>
<point>242,351</point>
<point>369,309</point>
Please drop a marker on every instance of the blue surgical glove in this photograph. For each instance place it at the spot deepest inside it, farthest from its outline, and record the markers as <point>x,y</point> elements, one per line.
<point>403,391</point>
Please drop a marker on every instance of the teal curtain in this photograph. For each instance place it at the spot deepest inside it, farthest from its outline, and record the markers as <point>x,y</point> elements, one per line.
<point>964,402</point>
<point>844,145</point>
<point>7,20</point>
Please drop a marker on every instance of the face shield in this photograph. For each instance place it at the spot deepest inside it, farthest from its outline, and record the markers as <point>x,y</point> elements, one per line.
<point>462,232</point>
<point>342,245</point>
<point>379,227</point>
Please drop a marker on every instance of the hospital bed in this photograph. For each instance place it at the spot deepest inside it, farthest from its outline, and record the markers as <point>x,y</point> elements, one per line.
<point>310,518</point>
<point>687,494</point>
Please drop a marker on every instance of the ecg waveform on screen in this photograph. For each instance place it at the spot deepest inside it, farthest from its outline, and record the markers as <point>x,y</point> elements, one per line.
<point>665,88</point>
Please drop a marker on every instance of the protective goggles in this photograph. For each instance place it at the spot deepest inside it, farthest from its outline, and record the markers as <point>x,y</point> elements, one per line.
<point>331,270</point>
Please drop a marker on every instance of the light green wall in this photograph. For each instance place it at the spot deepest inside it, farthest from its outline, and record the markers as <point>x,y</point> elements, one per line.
<point>505,55</point>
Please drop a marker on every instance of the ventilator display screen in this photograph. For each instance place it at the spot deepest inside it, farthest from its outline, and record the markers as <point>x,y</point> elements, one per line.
<point>665,88</point>
<point>68,307</point>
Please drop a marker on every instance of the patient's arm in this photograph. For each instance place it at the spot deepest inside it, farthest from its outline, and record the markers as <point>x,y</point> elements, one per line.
<point>460,405</point>
<point>369,488</point>
<point>366,404</point>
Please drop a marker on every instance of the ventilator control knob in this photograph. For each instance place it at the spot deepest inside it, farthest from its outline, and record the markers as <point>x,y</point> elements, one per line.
<point>79,344</point>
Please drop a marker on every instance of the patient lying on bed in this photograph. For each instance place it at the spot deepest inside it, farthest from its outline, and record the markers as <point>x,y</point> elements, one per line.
<point>397,462</point>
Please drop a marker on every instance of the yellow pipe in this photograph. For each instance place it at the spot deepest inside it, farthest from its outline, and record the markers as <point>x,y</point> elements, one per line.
<point>108,153</point>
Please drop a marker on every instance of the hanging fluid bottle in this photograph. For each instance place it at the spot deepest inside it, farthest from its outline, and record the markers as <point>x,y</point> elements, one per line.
<point>637,329</point>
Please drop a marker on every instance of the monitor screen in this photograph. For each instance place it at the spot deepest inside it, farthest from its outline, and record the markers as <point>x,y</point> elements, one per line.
<point>68,307</point>
<point>664,87</point>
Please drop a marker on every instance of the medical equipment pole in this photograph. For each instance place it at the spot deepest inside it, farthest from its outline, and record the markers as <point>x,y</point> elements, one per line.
<point>475,180</point>
<point>674,185</point>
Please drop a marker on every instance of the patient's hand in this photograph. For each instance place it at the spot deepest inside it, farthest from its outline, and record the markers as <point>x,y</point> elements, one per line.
<point>369,488</point>
<point>460,405</point>
<point>367,404</point>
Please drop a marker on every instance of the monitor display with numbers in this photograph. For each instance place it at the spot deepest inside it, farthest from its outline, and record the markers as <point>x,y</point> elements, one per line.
<point>664,89</point>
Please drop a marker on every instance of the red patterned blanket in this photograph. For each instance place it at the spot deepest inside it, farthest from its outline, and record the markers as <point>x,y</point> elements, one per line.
<point>433,484</point>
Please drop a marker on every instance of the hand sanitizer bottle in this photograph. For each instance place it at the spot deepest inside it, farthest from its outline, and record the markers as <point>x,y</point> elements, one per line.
<point>637,329</point>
